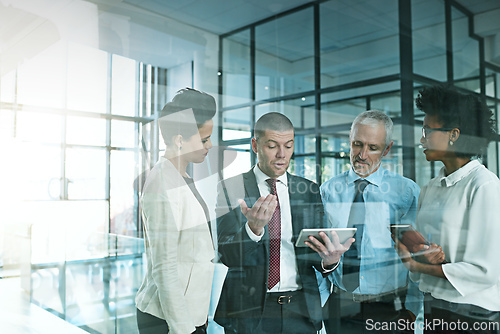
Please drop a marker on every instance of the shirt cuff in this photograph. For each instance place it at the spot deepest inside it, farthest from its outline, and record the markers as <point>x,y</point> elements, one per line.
<point>325,271</point>
<point>252,235</point>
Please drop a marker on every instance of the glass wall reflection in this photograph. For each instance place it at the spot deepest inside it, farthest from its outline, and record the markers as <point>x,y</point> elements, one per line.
<point>82,83</point>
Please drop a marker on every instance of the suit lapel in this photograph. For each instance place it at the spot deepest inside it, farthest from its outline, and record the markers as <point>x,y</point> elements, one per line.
<point>252,194</point>
<point>251,189</point>
<point>294,209</point>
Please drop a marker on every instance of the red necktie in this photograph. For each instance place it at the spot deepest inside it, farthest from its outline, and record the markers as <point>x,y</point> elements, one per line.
<point>274,227</point>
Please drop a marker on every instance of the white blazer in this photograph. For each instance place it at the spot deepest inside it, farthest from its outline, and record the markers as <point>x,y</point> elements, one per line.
<point>179,252</point>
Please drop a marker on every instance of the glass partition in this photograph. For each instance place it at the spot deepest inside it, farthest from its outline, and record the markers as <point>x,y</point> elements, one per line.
<point>429,39</point>
<point>94,289</point>
<point>236,69</point>
<point>284,55</point>
<point>236,124</point>
<point>358,41</point>
<point>465,53</point>
<point>301,112</point>
<point>79,108</point>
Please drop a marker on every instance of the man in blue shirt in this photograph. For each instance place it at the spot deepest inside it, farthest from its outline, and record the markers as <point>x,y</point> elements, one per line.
<point>373,283</point>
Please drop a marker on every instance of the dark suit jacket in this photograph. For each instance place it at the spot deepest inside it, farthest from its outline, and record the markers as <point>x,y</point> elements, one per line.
<point>244,291</point>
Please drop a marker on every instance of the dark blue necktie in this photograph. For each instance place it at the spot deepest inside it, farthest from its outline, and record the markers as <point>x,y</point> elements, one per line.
<point>357,220</point>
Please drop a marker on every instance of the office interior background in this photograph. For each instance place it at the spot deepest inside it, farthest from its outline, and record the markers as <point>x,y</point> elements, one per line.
<point>82,83</point>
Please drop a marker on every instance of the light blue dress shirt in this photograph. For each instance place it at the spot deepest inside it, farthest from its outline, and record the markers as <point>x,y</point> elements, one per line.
<point>389,199</point>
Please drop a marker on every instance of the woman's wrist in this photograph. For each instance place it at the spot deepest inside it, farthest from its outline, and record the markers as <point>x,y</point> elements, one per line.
<point>428,269</point>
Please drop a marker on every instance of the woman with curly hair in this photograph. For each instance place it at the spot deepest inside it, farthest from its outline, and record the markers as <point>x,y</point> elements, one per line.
<point>458,212</point>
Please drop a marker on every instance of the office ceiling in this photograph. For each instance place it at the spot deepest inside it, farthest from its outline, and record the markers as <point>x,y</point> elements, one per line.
<point>343,23</point>
<point>219,16</point>
<point>480,6</point>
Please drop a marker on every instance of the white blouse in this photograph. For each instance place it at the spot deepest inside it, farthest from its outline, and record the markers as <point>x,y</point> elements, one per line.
<point>460,212</point>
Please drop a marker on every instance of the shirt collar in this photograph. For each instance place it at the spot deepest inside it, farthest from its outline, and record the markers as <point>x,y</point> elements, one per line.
<point>459,174</point>
<point>374,178</point>
<point>261,178</point>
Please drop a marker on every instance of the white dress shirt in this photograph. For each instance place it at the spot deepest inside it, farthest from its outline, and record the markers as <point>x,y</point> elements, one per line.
<point>459,212</point>
<point>289,274</point>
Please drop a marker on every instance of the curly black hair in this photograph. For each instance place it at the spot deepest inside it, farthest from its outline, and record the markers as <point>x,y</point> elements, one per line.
<point>467,112</point>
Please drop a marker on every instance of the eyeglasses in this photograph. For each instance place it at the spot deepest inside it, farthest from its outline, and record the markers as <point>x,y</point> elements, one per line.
<point>426,131</point>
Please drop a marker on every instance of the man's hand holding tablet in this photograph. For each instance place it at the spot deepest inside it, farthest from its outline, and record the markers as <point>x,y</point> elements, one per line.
<point>334,242</point>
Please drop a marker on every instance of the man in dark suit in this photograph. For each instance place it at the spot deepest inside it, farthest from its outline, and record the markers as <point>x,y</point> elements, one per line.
<point>271,285</point>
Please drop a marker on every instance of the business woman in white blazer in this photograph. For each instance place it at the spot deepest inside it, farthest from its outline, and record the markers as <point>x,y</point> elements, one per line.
<point>175,294</point>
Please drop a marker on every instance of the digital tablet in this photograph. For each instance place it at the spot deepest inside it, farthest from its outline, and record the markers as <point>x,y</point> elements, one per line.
<point>343,233</point>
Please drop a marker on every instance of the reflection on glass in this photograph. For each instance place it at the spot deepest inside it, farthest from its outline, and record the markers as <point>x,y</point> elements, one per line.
<point>240,164</point>
<point>85,131</point>
<point>123,134</point>
<point>236,124</point>
<point>235,134</point>
<point>424,170</point>
<point>491,80</point>
<point>492,157</point>
<point>265,108</point>
<point>6,124</point>
<point>429,39</point>
<point>389,104</point>
<point>96,290</point>
<point>465,52</point>
<point>284,55</point>
<point>494,106</point>
<point>341,113</point>
<point>397,135</point>
<point>86,173</point>
<point>144,90</point>
<point>335,155</point>
<point>178,77</point>
<point>67,230</point>
<point>45,284</point>
<point>304,166</point>
<point>38,127</point>
<point>300,111</point>
<point>236,65</point>
<point>497,162</point>
<point>87,79</point>
<point>8,87</point>
<point>309,143</point>
<point>358,41</point>
<point>331,167</point>
<point>305,144</point>
<point>393,161</point>
<point>41,78</point>
<point>40,183</point>
<point>123,86</point>
<point>122,192</point>
<point>335,144</point>
<point>245,147</point>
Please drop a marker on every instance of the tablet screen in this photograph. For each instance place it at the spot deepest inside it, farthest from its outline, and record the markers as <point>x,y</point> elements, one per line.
<point>343,233</point>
